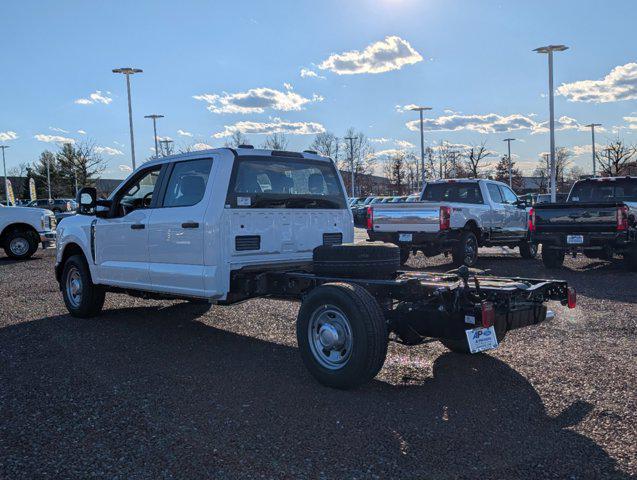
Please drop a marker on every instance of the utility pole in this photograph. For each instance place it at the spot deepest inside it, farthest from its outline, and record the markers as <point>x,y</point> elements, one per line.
<point>4,165</point>
<point>48,177</point>
<point>422,142</point>
<point>154,118</point>
<point>351,161</point>
<point>549,49</point>
<point>128,71</point>
<point>593,125</point>
<point>509,140</point>
<point>166,145</point>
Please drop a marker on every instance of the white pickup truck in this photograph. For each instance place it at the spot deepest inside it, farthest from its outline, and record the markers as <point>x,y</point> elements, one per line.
<point>454,216</point>
<point>227,225</point>
<point>22,229</point>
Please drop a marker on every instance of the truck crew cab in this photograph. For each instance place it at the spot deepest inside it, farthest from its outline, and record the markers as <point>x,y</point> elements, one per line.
<point>222,226</point>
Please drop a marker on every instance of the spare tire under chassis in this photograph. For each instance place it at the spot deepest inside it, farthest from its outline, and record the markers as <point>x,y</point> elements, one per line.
<point>360,260</point>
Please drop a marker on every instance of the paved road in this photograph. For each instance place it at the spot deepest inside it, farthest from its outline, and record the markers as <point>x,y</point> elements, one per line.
<point>160,390</point>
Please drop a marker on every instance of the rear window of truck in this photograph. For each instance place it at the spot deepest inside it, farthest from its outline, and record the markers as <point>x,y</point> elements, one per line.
<point>268,182</point>
<point>623,190</point>
<point>453,192</point>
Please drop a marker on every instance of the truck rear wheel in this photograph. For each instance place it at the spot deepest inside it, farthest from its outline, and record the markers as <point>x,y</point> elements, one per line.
<point>528,250</point>
<point>21,244</point>
<point>342,335</point>
<point>465,252</point>
<point>552,257</point>
<point>370,260</point>
<point>82,297</point>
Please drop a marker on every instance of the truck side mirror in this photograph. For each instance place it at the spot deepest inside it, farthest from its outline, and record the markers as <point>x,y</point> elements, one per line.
<point>86,201</point>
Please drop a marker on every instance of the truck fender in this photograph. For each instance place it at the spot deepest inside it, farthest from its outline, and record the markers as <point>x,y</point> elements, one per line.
<point>72,244</point>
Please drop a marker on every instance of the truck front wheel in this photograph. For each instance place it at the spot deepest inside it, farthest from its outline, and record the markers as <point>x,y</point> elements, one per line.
<point>21,244</point>
<point>552,257</point>
<point>465,252</point>
<point>342,335</point>
<point>82,297</point>
<point>528,250</point>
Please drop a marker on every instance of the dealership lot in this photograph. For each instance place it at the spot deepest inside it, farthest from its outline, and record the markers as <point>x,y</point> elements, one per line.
<point>161,390</point>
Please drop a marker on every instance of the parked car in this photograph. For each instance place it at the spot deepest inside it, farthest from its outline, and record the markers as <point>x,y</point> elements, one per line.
<point>457,217</point>
<point>57,205</point>
<point>359,211</point>
<point>23,229</point>
<point>598,219</point>
<point>223,226</point>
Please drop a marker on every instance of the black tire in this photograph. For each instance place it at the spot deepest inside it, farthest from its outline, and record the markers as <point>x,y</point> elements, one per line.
<point>552,257</point>
<point>368,334</point>
<point>360,260</point>
<point>462,346</point>
<point>404,255</point>
<point>465,251</point>
<point>21,244</point>
<point>528,250</point>
<point>91,298</point>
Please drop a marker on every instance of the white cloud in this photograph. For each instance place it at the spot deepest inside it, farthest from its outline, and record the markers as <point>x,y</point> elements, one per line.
<point>405,108</point>
<point>632,122</point>
<point>276,125</point>
<point>491,123</point>
<point>288,86</point>
<point>579,150</point>
<point>59,130</point>
<point>380,140</point>
<point>404,144</point>
<point>307,73</point>
<point>619,84</point>
<point>96,97</point>
<point>256,100</point>
<point>201,146</point>
<point>53,138</point>
<point>183,133</point>
<point>390,152</point>
<point>125,168</point>
<point>108,151</point>
<point>81,132</point>
<point>8,135</point>
<point>392,53</point>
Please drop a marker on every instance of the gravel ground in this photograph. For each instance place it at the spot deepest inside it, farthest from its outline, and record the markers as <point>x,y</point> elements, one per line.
<point>159,390</point>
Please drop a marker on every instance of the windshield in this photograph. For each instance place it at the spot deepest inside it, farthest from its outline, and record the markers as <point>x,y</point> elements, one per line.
<point>264,182</point>
<point>623,190</point>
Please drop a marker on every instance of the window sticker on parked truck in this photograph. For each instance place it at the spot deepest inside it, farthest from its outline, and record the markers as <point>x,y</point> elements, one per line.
<point>243,201</point>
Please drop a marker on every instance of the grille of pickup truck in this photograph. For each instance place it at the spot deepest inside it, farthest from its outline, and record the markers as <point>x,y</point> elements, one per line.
<point>332,238</point>
<point>247,242</point>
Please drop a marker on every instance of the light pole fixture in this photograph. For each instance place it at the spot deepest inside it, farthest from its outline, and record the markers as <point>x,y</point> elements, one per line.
<point>128,71</point>
<point>351,162</point>
<point>549,49</point>
<point>592,127</point>
<point>422,142</point>
<point>4,165</point>
<point>509,140</point>
<point>154,117</point>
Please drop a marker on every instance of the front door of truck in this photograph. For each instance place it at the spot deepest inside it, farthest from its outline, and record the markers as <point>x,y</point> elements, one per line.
<point>121,241</point>
<point>516,216</point>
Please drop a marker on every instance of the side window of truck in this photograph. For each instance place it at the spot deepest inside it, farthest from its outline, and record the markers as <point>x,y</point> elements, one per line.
<point>494,193</point>
<point>138,192</point>
<point>187,183</point>
<point>510,198</point>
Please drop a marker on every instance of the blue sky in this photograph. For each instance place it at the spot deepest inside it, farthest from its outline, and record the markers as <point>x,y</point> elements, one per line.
<point>471,60</point>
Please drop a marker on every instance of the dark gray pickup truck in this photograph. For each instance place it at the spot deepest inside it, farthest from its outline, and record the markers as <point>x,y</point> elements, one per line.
<point>598,219</point>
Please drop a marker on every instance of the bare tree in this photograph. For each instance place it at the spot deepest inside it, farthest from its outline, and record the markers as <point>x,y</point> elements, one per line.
<point>237,138</point>
<point>276,141</point>
<point>328,145</point>
<point>364,160</point>
<point>502,173</point>
<point>474,156</point>
<point>562,163</point>
<point>18,171</point>
<point>396,171</point>
<point>615,157</point>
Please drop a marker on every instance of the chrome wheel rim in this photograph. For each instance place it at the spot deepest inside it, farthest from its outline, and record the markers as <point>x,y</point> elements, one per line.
<point>19,246</point>
<point>533,249</point>
<point>74,287</point>
<point>470,251</point>
<point>330,337</point>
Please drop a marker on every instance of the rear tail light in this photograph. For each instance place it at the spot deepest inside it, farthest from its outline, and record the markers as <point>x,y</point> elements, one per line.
<point>622,218</point>
<point>572,297</point>
<point>532,220</point>
<point>370,218</point>
<point>445,218</point>
<point>488,314</point>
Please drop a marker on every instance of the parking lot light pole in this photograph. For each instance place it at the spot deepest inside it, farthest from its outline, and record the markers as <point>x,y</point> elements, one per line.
<point>592,126</point>
<point>422,142</point>
<point>4,165</point>
<point>128,71</point>
<point>351,161</point>
<point>509,140</point>
<point>549,49</point>
<point>154,117</point>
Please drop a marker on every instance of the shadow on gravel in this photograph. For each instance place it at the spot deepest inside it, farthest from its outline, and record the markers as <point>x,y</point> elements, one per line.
<point>150,393</point>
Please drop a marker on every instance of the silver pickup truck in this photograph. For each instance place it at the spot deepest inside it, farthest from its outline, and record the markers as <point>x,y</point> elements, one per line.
<point>454,216</point>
